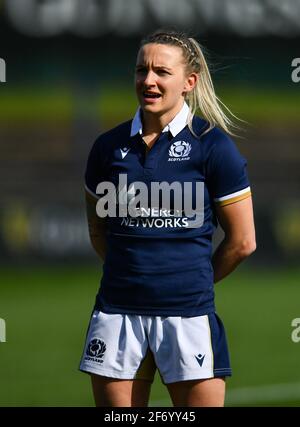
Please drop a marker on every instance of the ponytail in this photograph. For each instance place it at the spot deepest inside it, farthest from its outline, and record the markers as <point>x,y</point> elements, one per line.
<point>204,98</point>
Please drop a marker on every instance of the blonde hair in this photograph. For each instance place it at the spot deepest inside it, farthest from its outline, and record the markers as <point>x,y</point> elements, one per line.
<point>203,96</point>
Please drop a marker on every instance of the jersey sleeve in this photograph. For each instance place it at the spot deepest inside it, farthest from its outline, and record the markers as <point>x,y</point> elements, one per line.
<point>226,172</point>
<point>94,172</point>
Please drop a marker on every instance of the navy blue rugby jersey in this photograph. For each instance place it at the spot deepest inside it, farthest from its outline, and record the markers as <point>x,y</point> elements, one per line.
<point>158,260</point>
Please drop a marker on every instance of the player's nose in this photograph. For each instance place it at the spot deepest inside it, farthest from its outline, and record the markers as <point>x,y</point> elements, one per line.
<point>149,78</point>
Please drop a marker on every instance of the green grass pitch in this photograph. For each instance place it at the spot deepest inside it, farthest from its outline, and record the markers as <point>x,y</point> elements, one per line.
<point>47,310</point>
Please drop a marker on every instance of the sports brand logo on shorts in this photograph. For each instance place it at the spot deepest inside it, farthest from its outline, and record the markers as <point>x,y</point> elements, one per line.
<point>95,350</point>
<point>200,359</point>
<point>179,151</point>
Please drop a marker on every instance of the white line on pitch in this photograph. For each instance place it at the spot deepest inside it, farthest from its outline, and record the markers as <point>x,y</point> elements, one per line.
<point>270,393</point>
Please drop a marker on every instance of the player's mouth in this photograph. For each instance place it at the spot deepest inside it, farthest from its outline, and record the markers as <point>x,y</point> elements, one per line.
<point>151,97</point>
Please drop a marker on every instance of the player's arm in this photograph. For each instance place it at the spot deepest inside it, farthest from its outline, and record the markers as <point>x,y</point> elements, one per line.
<point>96,226</point>
<point>236,219</point>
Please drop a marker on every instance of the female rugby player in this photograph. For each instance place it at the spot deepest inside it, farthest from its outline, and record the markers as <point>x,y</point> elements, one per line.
<point>155,307</point>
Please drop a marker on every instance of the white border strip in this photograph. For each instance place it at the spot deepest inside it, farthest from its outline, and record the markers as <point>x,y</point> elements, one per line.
<point>230,196</point>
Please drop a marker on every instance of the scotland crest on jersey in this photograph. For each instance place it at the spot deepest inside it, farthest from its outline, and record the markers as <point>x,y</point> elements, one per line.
<point>179,151</point>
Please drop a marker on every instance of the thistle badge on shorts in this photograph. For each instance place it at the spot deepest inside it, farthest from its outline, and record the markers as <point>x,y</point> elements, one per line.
<point>95,350</point>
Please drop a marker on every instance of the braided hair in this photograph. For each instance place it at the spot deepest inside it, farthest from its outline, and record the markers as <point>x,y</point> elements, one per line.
<point>203,96</point>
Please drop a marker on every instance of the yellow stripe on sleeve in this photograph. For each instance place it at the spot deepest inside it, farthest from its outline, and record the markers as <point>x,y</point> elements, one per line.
<point>234,199</point>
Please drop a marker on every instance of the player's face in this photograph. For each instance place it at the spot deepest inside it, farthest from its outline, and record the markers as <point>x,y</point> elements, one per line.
<point>161,80</point>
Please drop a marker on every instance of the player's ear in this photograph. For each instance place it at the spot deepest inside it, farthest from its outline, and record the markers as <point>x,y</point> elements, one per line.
<point>191,81</point>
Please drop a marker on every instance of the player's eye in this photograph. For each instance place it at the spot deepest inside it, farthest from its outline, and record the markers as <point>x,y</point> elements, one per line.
<point>162,72</point>
<point>141,70</point>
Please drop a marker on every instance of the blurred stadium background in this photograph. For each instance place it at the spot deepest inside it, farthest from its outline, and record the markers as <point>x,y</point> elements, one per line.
<point>69,77</point>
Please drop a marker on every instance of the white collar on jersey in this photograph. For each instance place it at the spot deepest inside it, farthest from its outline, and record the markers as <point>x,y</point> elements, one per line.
<point>175,126</point>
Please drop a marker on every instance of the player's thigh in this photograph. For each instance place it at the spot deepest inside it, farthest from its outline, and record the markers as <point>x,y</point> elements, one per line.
<point>116,393</point>
<point>206,392</point>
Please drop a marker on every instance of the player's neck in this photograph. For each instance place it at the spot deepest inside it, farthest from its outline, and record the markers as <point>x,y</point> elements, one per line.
<point>153,124</point>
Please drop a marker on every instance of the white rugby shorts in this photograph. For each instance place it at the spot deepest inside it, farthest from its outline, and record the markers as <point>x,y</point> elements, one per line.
<point>132,346</point>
